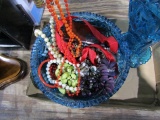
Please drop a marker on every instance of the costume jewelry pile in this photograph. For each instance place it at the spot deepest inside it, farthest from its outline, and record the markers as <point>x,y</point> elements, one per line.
<point>76,68</point>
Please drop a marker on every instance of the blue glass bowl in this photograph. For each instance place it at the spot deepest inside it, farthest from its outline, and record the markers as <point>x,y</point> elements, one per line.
<point>38,54</point>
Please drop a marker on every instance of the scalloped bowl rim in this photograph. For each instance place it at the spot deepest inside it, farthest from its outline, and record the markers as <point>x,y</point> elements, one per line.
<point>94,101</point>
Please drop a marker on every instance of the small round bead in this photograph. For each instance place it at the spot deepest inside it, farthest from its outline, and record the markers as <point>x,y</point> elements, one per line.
<point>43,35</point>
<point>47,73</point>
<point>62,59</point>
<point>78,65</point>
<point>51,61</point>
<point>52,30</point>
<point>53,40</point>
<point>74,66</point>
<point>47,68</point>
<point>51,21</point>
<point>63,85</point>
<point>75,89</point>
<point>52,52</point>
<point>52,81</point>
<point>58,60</point>
<point>48,43</point>
<point>71,88</point>
<point>54,49</point>
<point>36,32</point>
<point>51,18</point>
<point>55,55</point>
<point>48,65</point>
<point>67,61</point>
<point>48,76</point>
<point>52,35</point>
<point>60,83</point>
<point>54,43</point>
<point>50,48</point>
<point>59,66</point>
<point>83,64</point>
<point>67,87</point>
<point>76,72</point>
<point>51,26</point>
<point>46,39</point>
<point>54,61</point>
<point>59,55</point>
<point>40,32</point>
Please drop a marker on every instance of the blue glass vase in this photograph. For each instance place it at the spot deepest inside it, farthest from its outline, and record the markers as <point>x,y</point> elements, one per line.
<point>134,49</point>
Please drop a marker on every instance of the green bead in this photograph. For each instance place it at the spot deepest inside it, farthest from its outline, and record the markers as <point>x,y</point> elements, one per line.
<point>69,82</point>
<point>61,90</point>
<point>65,75</point>
<point>69,77</point>
<point>72,91</point>
<point>59,66</point>
<point>66,65</point>
<point>64,81</point>
<point>73,76</point>
<point>63,71</point>
<point>57,72</point>
<point>69,69</point>
<point>74,84</point>
<point>73,72</point>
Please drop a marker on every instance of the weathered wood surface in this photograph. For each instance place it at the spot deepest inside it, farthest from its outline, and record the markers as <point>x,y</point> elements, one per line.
<point>15,105</point>
<point>110,8</point>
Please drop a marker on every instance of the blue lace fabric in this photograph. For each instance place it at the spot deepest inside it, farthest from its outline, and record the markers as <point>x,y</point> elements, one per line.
<point>144,29</point>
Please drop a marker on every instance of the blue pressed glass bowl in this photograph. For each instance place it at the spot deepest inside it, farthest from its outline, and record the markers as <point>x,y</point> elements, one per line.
<point>38,54</point>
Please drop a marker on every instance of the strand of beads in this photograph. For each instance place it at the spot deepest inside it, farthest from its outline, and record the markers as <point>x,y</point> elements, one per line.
<point>56,56</point>
<point>53,51</point>
<point>69,15</point>
<point>52,35</point>
<point>65,80</point>
<point>56,61</point>
<point>52,10</point>
<point>73,37</point>
<point>57,83</point>
<point>51,47</point>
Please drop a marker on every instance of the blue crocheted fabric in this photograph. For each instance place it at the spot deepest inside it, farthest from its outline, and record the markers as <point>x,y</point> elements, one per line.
<point>154,6</point>
<point>144,29</point>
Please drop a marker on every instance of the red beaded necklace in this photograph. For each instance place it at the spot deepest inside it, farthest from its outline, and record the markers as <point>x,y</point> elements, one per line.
<point>72,36</point>
<point>68,27</point>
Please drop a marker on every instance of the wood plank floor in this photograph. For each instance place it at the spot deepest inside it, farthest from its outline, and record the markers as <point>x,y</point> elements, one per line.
<point>110,8</point>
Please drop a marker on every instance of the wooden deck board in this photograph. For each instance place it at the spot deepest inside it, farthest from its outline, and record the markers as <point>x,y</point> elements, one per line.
<point>110,8</point>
